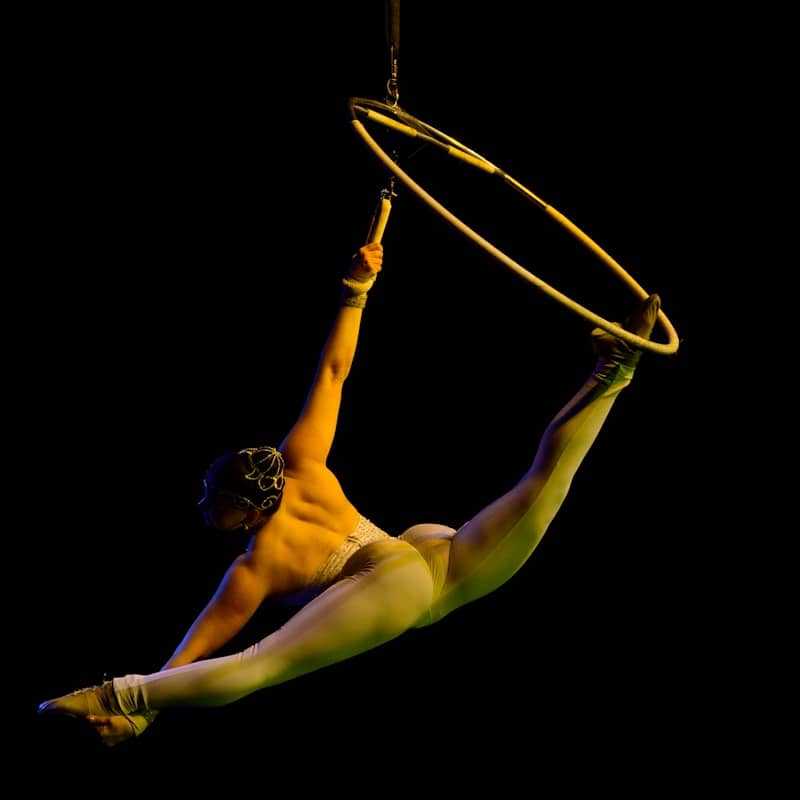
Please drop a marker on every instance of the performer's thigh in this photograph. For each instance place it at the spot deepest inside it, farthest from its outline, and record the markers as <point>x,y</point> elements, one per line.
<point>385,588</point>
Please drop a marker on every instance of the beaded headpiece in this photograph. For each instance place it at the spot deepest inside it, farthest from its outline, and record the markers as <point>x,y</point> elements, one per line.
<point>260,484</point>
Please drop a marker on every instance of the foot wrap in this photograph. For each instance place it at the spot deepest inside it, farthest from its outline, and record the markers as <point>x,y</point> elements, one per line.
<point>97,701</point>
<point>617,359</point>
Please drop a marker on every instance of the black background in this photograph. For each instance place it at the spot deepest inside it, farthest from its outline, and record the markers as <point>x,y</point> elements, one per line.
<point>196,189</point>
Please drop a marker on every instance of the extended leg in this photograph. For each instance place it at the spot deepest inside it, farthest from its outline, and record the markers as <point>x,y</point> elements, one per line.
<point>486,551</point>
<point>386,589</point>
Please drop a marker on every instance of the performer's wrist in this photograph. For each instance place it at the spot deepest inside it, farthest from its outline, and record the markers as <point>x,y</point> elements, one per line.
<point>354,292</point>
<point>354,286</point>
<point>354,300</point>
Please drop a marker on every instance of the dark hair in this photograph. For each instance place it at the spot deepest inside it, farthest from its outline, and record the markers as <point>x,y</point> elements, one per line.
<point>253,476</point>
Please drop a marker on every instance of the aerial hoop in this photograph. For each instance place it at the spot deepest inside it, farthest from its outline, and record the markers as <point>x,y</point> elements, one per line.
<point>393,117</point>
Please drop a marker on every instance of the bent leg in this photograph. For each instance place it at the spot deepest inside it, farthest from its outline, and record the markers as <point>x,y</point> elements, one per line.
<point>486,551</point>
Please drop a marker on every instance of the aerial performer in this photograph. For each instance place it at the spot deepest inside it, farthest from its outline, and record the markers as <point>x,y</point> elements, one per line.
<point>357,585</point>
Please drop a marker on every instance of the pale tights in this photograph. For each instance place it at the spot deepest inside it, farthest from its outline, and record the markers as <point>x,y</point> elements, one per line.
<point>393,585</point>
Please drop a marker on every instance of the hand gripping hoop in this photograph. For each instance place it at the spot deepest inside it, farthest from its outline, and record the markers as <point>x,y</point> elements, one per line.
<point>395,118</point>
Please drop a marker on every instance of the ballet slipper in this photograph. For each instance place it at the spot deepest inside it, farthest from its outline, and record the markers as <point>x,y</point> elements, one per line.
<point>96,704</point>
<point>92,701</point>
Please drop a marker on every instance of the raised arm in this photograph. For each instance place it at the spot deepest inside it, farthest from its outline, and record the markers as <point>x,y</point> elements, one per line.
<point>311,437</point>
<point>244,585</point>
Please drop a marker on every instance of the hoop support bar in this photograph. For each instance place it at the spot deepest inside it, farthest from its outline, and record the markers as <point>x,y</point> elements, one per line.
<point>379,219</point>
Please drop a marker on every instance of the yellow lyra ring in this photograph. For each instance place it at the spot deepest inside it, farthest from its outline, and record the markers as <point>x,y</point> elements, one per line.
<point>399,120</point>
